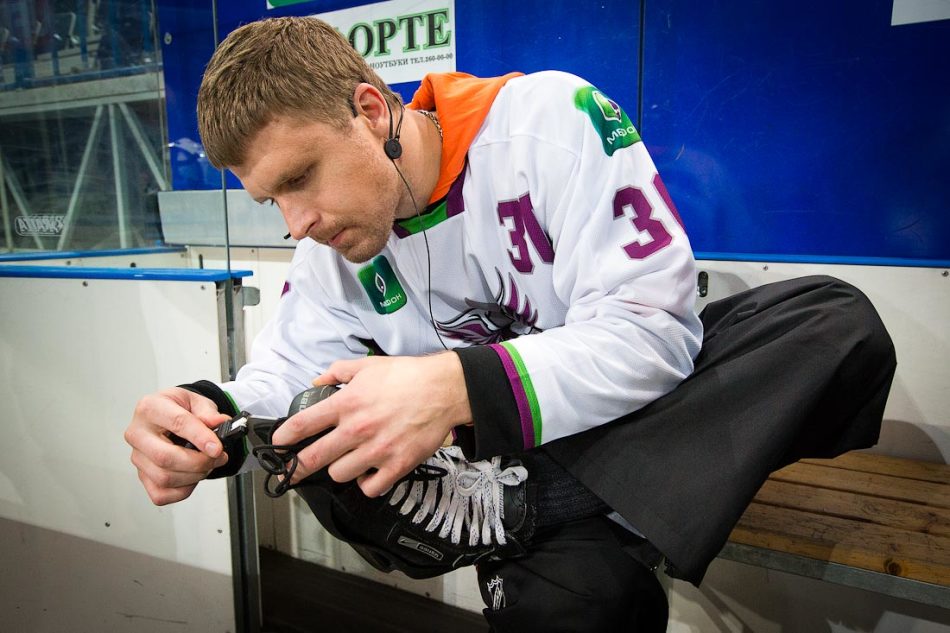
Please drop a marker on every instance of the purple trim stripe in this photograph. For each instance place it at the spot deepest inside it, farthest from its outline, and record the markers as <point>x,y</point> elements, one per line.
<point>453,200</point>
<point>521,398</point>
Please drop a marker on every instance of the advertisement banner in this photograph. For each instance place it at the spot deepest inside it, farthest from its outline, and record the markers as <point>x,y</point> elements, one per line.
<point>402,40</point>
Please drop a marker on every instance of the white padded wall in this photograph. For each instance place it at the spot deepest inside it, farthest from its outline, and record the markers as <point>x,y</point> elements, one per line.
<point>81,545</point>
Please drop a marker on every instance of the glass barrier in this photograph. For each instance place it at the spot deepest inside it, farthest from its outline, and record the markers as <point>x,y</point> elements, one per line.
<point>84,143</point>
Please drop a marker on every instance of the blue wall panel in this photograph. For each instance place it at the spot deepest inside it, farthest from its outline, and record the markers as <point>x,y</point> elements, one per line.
<point>186,31</point>
<point>596,40</point>
<point>803,129</point>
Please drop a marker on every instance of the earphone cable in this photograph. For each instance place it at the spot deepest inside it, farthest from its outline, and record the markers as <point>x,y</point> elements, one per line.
<point>425,238</point>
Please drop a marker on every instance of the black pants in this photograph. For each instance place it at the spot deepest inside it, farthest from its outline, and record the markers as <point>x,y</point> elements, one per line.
<point>795,369</point>
<point>583,576</point>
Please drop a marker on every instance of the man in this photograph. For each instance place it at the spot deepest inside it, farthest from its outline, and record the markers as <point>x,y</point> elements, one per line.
<point>509,245</point>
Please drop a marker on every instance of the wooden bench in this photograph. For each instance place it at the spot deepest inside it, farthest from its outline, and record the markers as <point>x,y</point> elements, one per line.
<point>869,521</point>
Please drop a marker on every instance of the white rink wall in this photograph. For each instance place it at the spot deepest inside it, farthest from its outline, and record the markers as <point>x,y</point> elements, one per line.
<point>81,546</point>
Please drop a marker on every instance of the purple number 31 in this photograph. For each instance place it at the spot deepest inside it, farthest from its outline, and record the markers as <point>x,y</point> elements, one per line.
<point>524,225</point>
<point>522,215</point>
<point>642,219</point>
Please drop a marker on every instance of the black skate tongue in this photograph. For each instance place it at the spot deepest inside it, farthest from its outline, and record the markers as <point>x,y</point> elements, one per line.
<point>516,506</point>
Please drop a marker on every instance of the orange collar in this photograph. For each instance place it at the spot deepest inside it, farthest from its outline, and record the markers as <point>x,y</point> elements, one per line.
<point>462,102</point>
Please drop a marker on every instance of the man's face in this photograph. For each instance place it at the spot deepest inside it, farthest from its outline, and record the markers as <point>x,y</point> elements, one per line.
<point>334,186</point>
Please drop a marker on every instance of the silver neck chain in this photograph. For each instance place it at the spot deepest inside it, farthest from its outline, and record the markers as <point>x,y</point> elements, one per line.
<point>435,121</point>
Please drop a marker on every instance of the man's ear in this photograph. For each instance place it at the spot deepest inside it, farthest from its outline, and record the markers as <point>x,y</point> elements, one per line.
<point>369,102</point>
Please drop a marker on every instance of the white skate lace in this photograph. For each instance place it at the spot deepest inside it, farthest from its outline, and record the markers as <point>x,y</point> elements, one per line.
<point>468,496</point>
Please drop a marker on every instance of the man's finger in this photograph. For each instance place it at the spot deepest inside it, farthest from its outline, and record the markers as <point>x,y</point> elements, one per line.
<point>165,478</point>
<point>174,410</point>
<point>163,496</point>
<point>378,483</point>
<point>322,452</point>
<point>164,454</point>
<point>307,423</point>
<point>188,426</point>
<point>342,371</point>
<point>207,411</point>
<point>350,466</point>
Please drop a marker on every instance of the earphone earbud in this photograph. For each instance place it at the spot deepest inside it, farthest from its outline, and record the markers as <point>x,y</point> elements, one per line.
<point>392,147</point>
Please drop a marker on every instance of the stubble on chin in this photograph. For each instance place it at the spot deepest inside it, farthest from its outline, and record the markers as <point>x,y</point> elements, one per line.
<point>364,250</point>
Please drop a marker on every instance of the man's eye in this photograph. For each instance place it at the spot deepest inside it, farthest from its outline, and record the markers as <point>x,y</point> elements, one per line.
<point>298,180</point>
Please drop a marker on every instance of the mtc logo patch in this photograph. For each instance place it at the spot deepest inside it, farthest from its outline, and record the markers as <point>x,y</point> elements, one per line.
<point>612,124</point>
<point>383,287</point>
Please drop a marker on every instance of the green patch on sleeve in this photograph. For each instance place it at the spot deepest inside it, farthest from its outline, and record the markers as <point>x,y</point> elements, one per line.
<point>612,124</point>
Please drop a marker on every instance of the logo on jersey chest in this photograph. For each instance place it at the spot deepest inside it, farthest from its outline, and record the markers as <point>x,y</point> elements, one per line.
<point>383,287</point>
<point>509,315</point>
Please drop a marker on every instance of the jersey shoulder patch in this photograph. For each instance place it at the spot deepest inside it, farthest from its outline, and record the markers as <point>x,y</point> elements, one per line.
<point>611,123</point>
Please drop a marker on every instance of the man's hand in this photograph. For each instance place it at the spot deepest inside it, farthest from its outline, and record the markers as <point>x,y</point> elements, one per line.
<point>170,472</point>
<point>393,414</point>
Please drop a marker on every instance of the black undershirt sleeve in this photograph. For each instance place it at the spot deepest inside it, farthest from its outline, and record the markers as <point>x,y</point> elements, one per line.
<point>497,423</point>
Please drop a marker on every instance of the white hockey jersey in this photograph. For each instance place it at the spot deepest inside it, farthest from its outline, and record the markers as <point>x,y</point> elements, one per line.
<point>560,273</point>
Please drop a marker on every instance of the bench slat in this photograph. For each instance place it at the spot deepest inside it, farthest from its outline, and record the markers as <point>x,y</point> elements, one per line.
<point>850,505</point>
<point>883,549</point>
<point>871,484</point>
<point>887,465</point>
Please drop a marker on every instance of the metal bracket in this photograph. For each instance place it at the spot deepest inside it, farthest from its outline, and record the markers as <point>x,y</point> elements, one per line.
<point>897,586</point>
<point>702,284</point>
<point>250,296</point>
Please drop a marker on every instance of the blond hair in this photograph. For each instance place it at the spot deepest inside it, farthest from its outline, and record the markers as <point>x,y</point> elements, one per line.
<point>279,66</point>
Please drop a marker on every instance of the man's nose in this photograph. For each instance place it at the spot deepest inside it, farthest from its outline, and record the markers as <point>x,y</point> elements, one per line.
<point>299,217</point>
